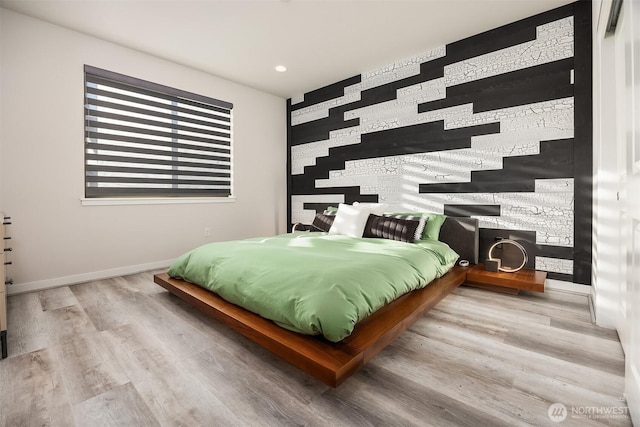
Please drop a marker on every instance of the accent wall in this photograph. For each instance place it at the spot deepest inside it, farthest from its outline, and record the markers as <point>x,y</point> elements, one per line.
<point>497,126</point>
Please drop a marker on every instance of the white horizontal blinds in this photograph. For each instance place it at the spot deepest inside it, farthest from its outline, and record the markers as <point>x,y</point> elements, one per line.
<point>147,140</point>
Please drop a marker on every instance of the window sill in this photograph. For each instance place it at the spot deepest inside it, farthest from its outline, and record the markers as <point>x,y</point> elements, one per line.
<point>113,201</point>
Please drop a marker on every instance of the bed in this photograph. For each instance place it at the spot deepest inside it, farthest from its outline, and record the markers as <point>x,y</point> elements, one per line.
<point>329,353</point>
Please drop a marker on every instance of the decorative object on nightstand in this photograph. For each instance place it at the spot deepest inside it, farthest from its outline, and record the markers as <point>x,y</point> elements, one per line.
<point>508,262</point>
<point>492,264</point>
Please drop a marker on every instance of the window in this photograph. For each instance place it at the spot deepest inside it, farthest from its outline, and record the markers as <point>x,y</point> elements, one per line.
<point>147,140</point>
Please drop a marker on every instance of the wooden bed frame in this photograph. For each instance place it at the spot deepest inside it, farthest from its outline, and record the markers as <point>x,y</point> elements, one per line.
<point>330,362</point>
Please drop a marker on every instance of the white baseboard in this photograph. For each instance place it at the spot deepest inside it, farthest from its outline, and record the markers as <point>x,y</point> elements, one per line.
<point>559,285</point>
<point>39,285</point>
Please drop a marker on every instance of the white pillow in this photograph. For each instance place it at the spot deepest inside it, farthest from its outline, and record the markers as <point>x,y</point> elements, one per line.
<point>374,208</point>
<point>350,220</point>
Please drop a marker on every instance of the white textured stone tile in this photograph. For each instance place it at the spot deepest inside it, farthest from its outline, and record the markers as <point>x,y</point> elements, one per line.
<point>555,265</point>
<point>297,98</point>
<point>348,134</point>
<point>555,114</point>
<point>562,185</point>
<point>400,69</point>
<point>423,92</point>
<point>548,119</point>
<point>354,88</point>
<point>560,29</point>
<point>363,179</point>
<point>515,143</point>
<point>394,116</point>
<point>305,115</point>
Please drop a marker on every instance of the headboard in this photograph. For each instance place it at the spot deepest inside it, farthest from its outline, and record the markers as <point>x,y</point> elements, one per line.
<point>461,234</point>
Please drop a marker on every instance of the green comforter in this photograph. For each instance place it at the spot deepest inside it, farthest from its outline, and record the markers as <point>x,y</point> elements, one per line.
<point>314,283</point>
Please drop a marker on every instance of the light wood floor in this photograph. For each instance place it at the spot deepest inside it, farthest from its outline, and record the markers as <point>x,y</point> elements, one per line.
<point>124,352</point>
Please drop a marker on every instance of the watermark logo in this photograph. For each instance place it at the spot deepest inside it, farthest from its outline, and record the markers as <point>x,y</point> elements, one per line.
<point>557,412</point>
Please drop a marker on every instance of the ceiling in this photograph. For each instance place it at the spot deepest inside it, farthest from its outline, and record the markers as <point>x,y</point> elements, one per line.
<point>320,42</point>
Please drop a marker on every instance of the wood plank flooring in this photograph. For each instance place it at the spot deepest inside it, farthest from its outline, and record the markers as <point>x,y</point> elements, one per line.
<point>124,352</point>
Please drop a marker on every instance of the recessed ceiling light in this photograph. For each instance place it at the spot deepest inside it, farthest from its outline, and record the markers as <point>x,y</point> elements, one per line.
<point>281,68</point>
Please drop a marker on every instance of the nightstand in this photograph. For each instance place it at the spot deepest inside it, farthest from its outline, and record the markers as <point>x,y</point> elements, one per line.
<point>510,283</point>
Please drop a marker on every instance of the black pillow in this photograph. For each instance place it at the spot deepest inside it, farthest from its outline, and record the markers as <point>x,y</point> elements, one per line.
<point>422,219</point>
<point>323,222</point>
<point>390,228</point>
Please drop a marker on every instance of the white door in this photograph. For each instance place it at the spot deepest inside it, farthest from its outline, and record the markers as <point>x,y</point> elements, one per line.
<point>631,9</point>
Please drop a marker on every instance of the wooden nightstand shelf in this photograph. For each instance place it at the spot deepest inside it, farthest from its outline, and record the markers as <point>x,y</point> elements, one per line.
<point>511,283</point>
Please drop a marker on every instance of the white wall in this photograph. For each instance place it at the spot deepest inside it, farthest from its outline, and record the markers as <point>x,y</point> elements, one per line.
<point>56,240</point>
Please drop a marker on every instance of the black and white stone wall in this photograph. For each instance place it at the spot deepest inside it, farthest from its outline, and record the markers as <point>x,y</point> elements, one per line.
<point>484,127</point>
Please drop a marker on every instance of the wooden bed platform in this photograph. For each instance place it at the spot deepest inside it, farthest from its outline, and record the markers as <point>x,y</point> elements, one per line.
<point>330,362</point>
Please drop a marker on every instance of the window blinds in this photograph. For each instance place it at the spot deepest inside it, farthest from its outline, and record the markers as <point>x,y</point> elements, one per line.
<point>147,140</point>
